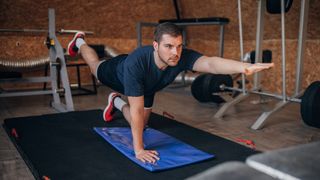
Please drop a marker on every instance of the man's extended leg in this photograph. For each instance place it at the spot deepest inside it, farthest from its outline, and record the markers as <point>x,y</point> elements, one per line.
<point>78,45</point>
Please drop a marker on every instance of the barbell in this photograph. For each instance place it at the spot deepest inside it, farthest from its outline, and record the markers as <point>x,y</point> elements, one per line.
<point>206,88</point>
<point>61,31</point>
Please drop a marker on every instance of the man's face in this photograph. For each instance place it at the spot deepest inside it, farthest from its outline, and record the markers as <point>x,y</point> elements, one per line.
<point>169,49</point>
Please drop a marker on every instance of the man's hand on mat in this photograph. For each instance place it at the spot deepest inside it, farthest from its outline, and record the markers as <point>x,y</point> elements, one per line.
<point>149,156</point>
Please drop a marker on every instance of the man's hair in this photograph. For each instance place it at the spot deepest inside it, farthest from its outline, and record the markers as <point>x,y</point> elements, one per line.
<point>166,28</point>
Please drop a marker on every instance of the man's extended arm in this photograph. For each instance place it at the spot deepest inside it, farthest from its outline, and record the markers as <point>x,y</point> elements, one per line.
<point>217,65</point>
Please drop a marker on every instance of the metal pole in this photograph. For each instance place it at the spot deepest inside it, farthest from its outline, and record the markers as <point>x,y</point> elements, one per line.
<point>62,31</point>
<point>293,99</point>
<point>56,52</point>
<point>220,113</point>
<point>301,43</point>
<point>138,28</point>
<point>52,54</point>
<point>283,45</point>
<point>259,39</point>
<point>24,30</point>
<point>243,78</point>
<point>221,40</point>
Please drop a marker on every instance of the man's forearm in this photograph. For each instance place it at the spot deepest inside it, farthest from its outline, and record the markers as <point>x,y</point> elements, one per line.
<point>137,125</point>
<point>227,66</point>
<point>218,65</point>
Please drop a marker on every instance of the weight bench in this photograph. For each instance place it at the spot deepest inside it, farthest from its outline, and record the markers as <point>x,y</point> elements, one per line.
<point>299,162</point>
<point>232,170</point>
<point>220,21</point>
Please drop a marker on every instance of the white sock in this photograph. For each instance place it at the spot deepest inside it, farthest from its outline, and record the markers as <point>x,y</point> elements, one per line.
<point>119,103</point>
<point>80,42</point>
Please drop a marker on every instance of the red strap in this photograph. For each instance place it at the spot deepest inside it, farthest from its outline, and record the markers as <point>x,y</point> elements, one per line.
<point>45,178</point>
<point>165,113</point>
<point>14,133</point>
<point>247,142</point>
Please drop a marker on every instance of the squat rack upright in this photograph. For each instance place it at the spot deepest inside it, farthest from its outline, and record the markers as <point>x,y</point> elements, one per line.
<point>56,58</point>
<point>299,63</point>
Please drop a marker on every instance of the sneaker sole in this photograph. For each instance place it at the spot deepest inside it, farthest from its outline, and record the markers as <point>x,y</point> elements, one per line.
<point>74,38</point>
<point>110,103</point>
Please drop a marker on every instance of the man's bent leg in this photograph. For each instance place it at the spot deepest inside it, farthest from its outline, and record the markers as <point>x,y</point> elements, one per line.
<point>111,107</point>
<point>126,114</point>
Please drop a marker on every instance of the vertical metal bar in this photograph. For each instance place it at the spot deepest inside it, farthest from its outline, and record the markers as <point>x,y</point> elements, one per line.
<point>139,34</point>
<point>283,45</point>
<point>220,113</point>
<point>221,41</point>
<point>176,8</point>
<point>304,11</point>
<point>56,52</point>
<point>78,77</point>
<point>241,46</point>
<point>259,39</point>
<point>184,35</point>
<point>94,84</point>
<point>52,53</point>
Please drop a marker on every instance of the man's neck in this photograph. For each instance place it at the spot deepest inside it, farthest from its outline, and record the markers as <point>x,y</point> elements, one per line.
<point>159,63</point>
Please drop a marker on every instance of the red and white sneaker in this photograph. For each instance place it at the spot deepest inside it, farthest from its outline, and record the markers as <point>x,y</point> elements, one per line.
<point>73,50</point>
<point>110,109</point>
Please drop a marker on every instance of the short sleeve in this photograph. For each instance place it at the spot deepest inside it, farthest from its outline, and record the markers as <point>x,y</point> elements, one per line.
<point>189,57</point>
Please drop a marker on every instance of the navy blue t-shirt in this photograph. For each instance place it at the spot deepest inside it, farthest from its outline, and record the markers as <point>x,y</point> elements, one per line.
<point>138,74</point>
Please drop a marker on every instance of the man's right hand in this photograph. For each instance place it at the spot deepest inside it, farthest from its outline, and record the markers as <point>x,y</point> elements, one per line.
<point>149,156</point>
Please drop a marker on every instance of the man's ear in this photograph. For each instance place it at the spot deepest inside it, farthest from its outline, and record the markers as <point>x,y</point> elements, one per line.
<point>155,45</point>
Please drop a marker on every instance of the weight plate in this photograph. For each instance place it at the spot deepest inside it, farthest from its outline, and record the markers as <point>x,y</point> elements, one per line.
<point>310,105</point>
<point>206,84</point>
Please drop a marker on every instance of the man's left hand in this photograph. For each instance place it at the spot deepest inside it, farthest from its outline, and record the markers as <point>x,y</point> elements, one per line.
<point>253,68</point>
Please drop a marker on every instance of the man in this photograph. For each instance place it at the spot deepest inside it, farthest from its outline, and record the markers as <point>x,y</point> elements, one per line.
<point>147,70</point>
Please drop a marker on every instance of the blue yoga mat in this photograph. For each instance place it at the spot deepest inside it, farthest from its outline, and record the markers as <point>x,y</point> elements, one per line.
<point>172,152</point>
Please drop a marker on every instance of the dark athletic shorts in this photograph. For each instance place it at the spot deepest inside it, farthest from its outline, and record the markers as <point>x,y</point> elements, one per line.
<point>106,74</point>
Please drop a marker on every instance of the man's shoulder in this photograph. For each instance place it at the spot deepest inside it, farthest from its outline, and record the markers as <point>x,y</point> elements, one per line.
<point>140,56</point>
<point>144,49</point>
<point>144,52</point>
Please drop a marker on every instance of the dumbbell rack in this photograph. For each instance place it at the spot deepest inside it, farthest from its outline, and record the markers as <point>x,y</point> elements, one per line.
<point>299,63</point>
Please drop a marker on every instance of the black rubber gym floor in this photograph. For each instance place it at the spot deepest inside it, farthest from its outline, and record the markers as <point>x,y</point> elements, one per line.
<point>65,146</point>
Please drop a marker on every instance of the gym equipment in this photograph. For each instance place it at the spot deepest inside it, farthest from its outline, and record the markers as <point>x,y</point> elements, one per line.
<point>206,87</point>
<point>61,31</point>
<point>274,6</point>
<point>232,170</point>
<point>23,65</point>
<point>257,89</point>
<point>266,56</point>
<point>297,162</point>
<point>186,78</point>
<point>56,58</point>
<point>210,92</point>
<point>64,146</point>
<point>184,22</point>
<point>172,152</point>
<point>310,105</point>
